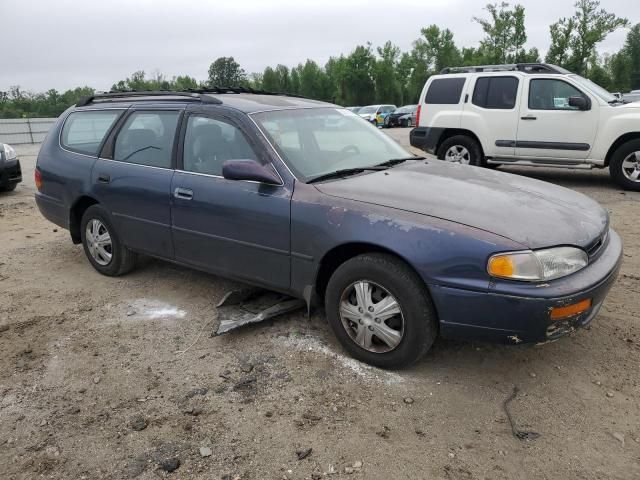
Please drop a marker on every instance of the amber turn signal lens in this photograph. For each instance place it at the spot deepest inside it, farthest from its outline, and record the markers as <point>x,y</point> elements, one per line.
<point>558,313</point>
<point>501,266</point>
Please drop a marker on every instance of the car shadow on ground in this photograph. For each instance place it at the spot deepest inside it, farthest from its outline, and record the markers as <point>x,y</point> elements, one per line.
<point>569,178</point>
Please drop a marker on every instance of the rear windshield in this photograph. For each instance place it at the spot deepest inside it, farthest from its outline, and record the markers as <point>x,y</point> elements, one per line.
<point>445,91</point>
<point>83,132</point>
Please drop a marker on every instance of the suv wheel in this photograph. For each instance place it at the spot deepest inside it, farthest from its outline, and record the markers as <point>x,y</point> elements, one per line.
<point>380,311</point>
<point>461,149</point>
<point>624,167</point>
<point>102,245</point>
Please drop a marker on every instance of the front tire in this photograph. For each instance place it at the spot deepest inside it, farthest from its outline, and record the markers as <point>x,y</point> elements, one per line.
<point>101,243</point>
<point>380,311</point>
<point>461,149</point>
<point>624,167</point>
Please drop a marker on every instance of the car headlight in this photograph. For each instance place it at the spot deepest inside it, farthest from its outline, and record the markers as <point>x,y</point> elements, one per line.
<point>538,265</point>
<point>9,152</point>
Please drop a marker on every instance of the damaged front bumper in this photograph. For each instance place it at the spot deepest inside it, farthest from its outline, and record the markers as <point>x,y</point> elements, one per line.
<point>520,312</point>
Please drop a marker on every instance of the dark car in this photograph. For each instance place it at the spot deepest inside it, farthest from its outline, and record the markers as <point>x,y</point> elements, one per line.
<point>304,198</point>
<point>10,171</point>
<point>402,117</point>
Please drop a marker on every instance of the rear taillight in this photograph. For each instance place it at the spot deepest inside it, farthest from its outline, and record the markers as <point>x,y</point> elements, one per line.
<point>38,178</point>
<point>418,115</point>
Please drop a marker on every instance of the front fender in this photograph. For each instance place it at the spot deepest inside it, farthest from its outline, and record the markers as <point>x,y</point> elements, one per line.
<point>441,252</point>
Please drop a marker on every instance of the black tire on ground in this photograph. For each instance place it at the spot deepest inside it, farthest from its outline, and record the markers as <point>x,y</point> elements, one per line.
<point>616,167</point>
<point>9,188</point>
<point>389,272</point>
<point>475,152</point>
<point>122,260</point>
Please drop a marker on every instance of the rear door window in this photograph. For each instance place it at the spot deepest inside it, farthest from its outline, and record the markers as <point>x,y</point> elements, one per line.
<point>445,91</point>
<point>84,132</point>
<point>147,138</point>
<point>495,92</point>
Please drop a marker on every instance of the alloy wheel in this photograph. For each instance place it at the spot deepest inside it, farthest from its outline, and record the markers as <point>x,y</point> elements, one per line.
<point>458,154</point>
<point>631,167</point>
<point>371,316</point>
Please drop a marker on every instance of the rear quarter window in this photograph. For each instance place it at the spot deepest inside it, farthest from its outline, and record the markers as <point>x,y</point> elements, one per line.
<point>83,132</point>
<point>445,91</point>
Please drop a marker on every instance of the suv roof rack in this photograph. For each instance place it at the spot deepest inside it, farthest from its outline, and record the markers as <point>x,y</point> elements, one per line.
<point>512,67</point>
<point>196,94</point>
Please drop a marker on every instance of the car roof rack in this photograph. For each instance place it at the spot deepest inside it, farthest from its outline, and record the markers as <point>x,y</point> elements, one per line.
<point>511,67</point>
<point>202,95</point>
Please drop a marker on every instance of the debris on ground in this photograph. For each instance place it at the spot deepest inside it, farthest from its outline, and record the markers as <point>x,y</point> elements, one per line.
<point>304,453</point>
<point>252,305</point>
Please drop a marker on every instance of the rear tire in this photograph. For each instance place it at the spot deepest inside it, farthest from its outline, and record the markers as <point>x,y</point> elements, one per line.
<point>9,188</point>
<point>461,149</point>
<point>101,243</point>
<point>409,325</point>
<point>624,166</point>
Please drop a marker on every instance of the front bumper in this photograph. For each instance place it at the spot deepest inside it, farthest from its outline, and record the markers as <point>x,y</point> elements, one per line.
<point>523,315</point>
<point>10,173</point>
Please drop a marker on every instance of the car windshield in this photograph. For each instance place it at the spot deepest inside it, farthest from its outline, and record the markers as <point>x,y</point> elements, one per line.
<point>595,89</point>
<point>318,141</point>
<point>371,109</point>
<point>406,109</point>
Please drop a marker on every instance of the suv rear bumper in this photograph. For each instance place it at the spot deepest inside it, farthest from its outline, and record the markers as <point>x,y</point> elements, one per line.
<point>513,319</point>
<point>426,138</point>
<point>10,173</point>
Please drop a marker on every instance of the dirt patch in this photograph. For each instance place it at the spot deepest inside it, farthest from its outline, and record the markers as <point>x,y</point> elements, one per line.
<point>120,378</point>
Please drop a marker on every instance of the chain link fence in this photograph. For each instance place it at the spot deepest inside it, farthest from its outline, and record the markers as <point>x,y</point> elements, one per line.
<point>20,131</point>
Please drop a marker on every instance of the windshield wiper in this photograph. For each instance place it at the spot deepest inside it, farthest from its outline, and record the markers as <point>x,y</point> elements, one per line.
<point>396,161</point>
<point>344,172</point>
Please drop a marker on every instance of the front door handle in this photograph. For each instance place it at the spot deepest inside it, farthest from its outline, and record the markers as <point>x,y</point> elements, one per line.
<point>183,193</point>
<point>104,178</point>
<point>529,117</point>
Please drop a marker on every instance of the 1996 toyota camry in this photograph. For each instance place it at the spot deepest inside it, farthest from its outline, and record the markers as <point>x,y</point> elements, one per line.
<point>305,198</point>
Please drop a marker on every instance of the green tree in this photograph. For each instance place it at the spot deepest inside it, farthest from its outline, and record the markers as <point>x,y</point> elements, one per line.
<point>387,87</point>
<point>183,82</point>
<point>574,40</point>
<point>437,48</point>
<point>226,72</point>
<point>505,33</point>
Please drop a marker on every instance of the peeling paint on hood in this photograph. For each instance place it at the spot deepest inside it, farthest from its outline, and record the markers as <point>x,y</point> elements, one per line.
<point>533,213</point>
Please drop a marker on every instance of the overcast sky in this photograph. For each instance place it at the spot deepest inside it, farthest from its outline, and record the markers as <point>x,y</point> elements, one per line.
<point>67,43</point>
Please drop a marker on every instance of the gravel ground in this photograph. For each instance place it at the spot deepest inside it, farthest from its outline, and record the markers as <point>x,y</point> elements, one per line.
<point>119,378</point>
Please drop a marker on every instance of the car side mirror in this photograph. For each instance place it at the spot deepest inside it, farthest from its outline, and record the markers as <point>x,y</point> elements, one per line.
<point>578,102</point>
<point>249,170</point>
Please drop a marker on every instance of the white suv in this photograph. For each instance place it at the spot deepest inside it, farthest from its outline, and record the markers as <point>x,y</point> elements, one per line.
<point>528,114</point>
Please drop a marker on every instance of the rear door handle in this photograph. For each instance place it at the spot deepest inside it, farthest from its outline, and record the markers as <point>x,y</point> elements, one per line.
<point>529,117</point>
<point>183,193</point>
<point>104,178</point>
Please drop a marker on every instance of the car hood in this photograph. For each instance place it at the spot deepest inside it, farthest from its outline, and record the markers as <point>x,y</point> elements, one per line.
<point>533,213</point>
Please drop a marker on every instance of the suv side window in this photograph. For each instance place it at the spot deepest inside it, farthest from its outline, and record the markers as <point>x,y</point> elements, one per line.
<point>551,94</point>
<point>495,92</point>
<point>83,132</point>
<point>445,91</point>
<point>209,142</point>
<point>146,138</point>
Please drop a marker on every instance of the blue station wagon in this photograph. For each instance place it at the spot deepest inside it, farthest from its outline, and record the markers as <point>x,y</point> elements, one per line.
<point>304,198</point>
